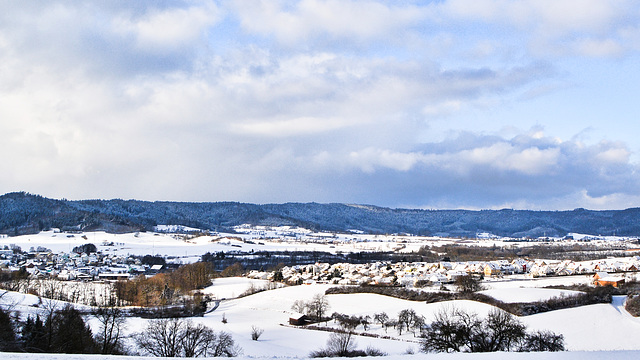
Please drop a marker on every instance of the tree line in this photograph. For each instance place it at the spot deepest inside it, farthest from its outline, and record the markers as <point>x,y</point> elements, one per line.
<point>165,288</point>
<point>455,330</point>
<point>64,330</point>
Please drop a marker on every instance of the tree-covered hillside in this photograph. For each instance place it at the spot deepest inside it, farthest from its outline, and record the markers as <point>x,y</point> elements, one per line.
<point>22,213</point>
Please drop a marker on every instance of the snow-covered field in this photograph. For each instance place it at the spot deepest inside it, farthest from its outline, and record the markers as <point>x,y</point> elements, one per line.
<point>190,249</point>
<point>594,327</point>
<point>227,288</point>
<point>578,355</point>
<point>588,330</point>
<point>527,294</point>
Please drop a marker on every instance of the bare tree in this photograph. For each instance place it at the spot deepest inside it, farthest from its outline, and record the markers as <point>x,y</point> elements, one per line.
<point>406,319</point>
<point>381,318</point>
<point>112,322</point>
<point>338,344</point>
<point>341,344</point>
<point>48,308</point>
<point>162,337</point>
<point>224,346</point>
<point>196,339</point>
<point>177,337</point>
<point>450,331</point>
<point>299,306</point>
<point>456,330</point>
<point>500,331</point>
<point>318,306</point>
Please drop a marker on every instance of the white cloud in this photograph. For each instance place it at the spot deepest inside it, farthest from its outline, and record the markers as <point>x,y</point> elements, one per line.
<point>549,16</point>
<point>599,48</point>
<point>614,155</point>
<point>369,159</point>
<point>289,127</point>
<point>106,100</point>
<point>293,23</point>
<point>550,24</point>
<point>500,156</point>
<point>168,29</point>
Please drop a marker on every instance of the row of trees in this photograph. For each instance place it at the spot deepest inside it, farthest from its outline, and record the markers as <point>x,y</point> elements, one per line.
<point>455,330</point>
<point>179,337</point>
<point>407,320</point>
<point>62,330</point>
<point>164,288</point>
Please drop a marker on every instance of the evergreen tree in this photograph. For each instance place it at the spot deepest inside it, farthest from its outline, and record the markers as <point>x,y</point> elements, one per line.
<point>34,335</point>
<point>70,334</point>
<point>7,333</point>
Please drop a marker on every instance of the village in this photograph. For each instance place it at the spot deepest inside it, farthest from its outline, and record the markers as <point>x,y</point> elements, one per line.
<point>42,263</point>
<point>605,272</point>
<point>126,256</point>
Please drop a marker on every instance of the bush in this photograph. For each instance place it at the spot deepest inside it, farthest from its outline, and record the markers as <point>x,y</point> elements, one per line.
<point>633,305</point>
<point>86,248</point>
<point>339,344</point>
<point>543,341</point>
<point>468,284</point>
<point>256,332</point>
<point>371,351</point>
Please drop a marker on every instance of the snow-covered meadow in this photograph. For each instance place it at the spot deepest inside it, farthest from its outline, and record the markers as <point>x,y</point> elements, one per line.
<point>602,327</point>
<point>186,248</point>
<point>591,332</point>
<point>577,355</point>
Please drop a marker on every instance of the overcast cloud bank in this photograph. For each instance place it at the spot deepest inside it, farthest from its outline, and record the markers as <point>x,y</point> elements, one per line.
<point>447,104</point>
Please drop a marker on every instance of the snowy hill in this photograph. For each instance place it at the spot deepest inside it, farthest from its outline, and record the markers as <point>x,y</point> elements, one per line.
<point>602,327</point>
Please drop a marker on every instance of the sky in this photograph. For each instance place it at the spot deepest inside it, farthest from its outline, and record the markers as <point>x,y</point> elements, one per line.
<point>475,104</point>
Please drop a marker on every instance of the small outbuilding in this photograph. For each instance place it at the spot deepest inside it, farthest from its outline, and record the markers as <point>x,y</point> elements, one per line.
<point>298,320</point>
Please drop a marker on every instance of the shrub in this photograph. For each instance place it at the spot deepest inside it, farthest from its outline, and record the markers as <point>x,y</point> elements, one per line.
<point>256,332</point>
<point>468,284</point>
<point>339,344</point>
<point>543,341</point>
<point>633,305</point>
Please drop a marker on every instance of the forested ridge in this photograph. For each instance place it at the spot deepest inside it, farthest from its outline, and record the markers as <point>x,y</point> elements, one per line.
<point>23,213</point>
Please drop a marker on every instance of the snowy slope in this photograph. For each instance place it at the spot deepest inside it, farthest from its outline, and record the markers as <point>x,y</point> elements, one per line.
<point>527,294</point>
<point>594,327</point>
<point>580,355</point>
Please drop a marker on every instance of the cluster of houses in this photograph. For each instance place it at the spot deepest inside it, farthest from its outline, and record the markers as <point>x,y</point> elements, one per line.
<point>419,273</point>
<point>44,264</point>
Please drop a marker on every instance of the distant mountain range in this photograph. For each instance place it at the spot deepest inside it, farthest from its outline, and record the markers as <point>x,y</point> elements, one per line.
<point>23,213</point>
